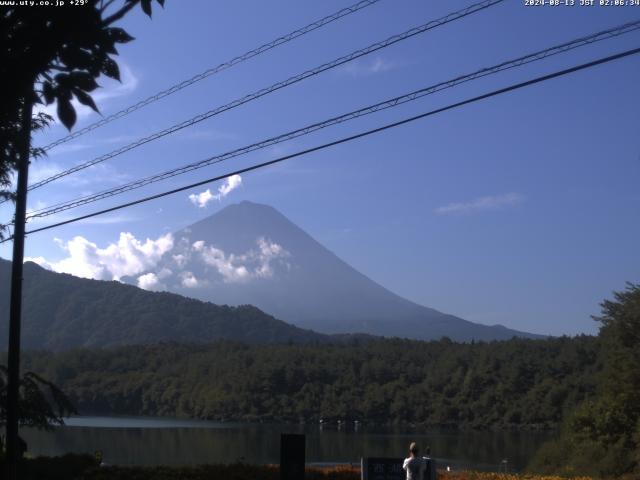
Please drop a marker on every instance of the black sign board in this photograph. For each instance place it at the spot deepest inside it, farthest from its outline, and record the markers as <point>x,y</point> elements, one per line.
<point>292,457</point>
<point>380,468</point>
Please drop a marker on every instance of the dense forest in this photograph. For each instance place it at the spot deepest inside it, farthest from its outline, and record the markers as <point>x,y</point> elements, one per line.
<point>513,384</point>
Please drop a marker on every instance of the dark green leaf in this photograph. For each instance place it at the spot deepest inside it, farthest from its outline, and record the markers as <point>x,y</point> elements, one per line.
<point>146,7</point>
<point>63,79</point>
<point>76,58</point>
<point>96,66</point>
<point>110,69</point>
<point>94,70</point>
<point>161,2</point>
<point>85,99</point>
<point>66,113</point>
<point>41,120</point>
<point>118,35</point>
<point>108,46</point>
<point>83,80</point>
<point>37,152</point>
<point>63,93</point>
<point>48,92</point>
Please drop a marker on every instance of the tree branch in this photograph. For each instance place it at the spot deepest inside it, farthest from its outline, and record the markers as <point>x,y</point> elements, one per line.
<point>104,6</point>
<point>120,13</point>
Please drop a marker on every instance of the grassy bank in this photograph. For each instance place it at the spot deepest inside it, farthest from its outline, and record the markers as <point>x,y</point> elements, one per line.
<point>247,472</point>
<point>82,467</point>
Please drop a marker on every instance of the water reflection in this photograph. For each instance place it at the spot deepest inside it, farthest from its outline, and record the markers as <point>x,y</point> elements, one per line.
<point>144,441</point>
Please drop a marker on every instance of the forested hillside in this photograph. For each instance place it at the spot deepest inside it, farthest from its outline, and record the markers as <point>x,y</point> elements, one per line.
<point>513,384</point>
<point>62,312</point>
<point>602,436</point>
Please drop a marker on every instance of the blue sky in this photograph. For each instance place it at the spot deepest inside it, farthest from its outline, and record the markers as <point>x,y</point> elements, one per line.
<point>520,210</point>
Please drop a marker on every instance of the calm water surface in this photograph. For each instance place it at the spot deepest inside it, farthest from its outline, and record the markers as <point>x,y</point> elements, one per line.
<point>153,441</point>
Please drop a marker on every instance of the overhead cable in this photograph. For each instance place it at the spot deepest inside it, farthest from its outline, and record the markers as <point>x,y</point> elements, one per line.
<point>493,93</point>
<point>276,86</point>
<point>212,71</point>
<point>390,103</point>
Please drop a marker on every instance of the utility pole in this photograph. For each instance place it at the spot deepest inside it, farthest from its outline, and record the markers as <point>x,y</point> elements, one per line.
<point>15,310</point>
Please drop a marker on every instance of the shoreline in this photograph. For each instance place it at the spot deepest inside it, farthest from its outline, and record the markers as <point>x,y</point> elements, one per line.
<point>347,425</point>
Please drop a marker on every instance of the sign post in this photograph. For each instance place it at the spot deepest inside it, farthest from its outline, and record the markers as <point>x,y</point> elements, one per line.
<point>381,468</point>
<point>292,456</point>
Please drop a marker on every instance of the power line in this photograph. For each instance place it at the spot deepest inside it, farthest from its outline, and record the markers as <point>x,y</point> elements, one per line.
<point>212,71</point>
<point>276,86</point>
<point>390,103</point>
<point>350,138</point>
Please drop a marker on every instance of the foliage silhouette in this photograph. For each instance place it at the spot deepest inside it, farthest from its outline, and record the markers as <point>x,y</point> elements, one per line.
<point>602,436</point>
<point>53,55</point>
<point>42,404</point>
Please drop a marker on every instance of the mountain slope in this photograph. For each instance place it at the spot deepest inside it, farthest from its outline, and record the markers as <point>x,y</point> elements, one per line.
<point>249,253</point>
<point>61,311</point>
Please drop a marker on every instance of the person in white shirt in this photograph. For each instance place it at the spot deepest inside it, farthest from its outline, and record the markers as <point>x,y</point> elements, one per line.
<point>414,465</point>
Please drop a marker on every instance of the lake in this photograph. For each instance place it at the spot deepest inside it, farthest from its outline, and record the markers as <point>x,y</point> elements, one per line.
<point>152,441</point>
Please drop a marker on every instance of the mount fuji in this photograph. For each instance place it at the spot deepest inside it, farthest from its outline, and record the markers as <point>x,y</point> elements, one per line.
<point>250,253</point>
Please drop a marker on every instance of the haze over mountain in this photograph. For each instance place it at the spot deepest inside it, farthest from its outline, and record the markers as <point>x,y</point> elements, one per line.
<point>249,253</point>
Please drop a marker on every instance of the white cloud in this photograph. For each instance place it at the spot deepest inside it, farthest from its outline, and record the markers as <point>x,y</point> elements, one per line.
<point>115,89</point>
<point>231,183</point>
<point>209,134</point>
<point>69,148</point>
<point>38,205</point>
<point>108,219</point>
<point>189,280</point>
<point>40,261</point>
<point>223,264</point>
<point>101,174</point>
<point>268,252</point>
<point>127,257</point>
<point>152,281</point>
<point>380,65</point>
<point>202,199</point>
<point>180,259</point>
<point>239,268</point>
<point>121,138</point>
<point>493,202</point>
<point>39,170</point>
<point>148,281</point>
<point>164,273</point>
<point>359,68</point>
